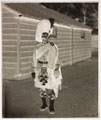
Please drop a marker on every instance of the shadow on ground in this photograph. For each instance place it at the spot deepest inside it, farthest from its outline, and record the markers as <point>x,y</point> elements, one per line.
<point>78,97</point>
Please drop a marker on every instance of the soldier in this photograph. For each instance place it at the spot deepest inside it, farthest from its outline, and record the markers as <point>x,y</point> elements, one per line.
<point>46,65</point>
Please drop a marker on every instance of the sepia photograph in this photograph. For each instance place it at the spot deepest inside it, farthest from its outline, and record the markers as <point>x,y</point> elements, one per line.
<point>49,59</point>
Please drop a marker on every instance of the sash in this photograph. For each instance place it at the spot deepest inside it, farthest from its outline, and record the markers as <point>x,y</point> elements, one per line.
<point>52,54</point>
<point>42,50</point>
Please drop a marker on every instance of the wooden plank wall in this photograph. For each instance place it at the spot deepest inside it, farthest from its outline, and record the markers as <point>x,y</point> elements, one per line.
<point>9,44</point>
<point>27,39</point>
<point>81,46</point>
<point>27,42</point>
<point>63,41</point>
<point>18,45</point>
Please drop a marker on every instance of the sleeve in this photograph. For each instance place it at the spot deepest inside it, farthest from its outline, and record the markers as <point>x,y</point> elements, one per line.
<point>58,64</point>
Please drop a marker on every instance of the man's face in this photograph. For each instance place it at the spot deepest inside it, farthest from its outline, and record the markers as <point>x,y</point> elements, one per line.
<point>44,37</point>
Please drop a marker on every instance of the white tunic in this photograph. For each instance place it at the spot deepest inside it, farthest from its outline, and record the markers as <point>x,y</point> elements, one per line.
<point>47,53</point>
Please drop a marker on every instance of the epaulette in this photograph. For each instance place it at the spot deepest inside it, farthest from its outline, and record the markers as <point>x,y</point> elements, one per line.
<point>51,43</point>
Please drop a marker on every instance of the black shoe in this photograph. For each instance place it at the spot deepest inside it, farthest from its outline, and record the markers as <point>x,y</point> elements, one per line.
<point>52,111</point>
<point>51,107</point>
<point>43,108</point>
<point>44,104</point>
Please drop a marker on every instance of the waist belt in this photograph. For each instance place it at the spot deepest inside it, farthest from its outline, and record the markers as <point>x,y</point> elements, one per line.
<point>45,62</point>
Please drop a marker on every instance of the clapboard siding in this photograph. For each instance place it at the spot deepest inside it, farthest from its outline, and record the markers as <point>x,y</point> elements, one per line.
<point>64,52</point>
<point>27,54</point>
<point>85,40</point>
<point>27,37</point>
<point>63,41</point>
<point>64,56</point>
<point>9,44</point>
<point>27,42</point>
<point>24,65</point>
<point>64,49</point>
<point>65,60</point>
<point>9,65</point>
<point>63,45</point>
<point>9,31</point>
<point>80,55</point>
<point>63,30</point>
<point>9,48</point>
<point>8,14</point>
<point>81,42</point>
<point>9,54</point>
<point>81,47</point>
<point>10,59</point>
<point>9,26</point>
<point>79,58</point>
<point>10,36</point>
<point>27,48</point>
<point>26,59</point>
<point>63,34</point>
<point>19,43</point>
<point>27,32</point>
<point>9,71</point>
<point>25,70</point>
<point>9,20</point>
<point>28,26</point>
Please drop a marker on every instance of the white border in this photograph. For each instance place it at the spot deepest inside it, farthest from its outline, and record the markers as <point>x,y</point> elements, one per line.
<point>53,1</point>
<point>0,69</point>
<point>61,1</point>
<point>99,63</point>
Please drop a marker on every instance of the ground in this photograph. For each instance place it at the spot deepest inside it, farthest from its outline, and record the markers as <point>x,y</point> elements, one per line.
<point>78,97</point>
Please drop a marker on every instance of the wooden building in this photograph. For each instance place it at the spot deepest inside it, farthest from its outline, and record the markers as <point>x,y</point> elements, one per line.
<point>19,21</point>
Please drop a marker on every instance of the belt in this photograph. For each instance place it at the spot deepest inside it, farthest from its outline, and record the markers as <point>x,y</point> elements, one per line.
<point>45,62</point>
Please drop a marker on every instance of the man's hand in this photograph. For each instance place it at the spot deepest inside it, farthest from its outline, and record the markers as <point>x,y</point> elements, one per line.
<point>56,73</point>
<point>33,74</point>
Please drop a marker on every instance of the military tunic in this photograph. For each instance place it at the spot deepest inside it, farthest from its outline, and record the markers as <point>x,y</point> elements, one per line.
<point>45,61</point>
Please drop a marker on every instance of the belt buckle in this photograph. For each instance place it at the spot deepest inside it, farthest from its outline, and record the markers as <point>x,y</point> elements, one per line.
<point>43,69</point>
